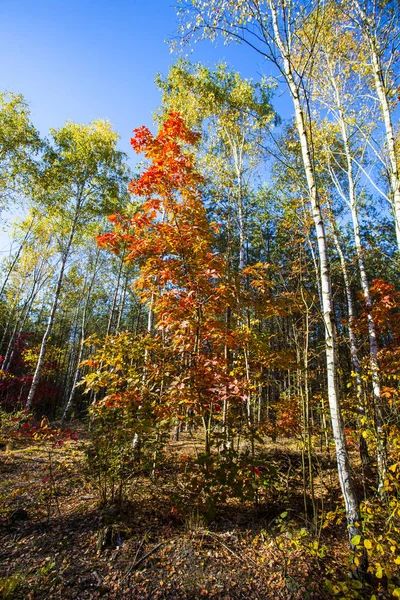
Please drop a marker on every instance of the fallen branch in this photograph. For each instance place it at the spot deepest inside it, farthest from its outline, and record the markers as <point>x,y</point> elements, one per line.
<point>136,555</point>
<point>137,563</point>
<point>215,537</point>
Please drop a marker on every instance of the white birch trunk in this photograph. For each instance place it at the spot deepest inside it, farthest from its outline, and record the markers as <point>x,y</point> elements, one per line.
<point>114,302</point>
<point>24,316</point>
<point>121,304</point>
<point>69,405</point>
<point>347,487</point>
<point>373,345</point>
<point>350,311</point>
<point>65,255</point>
<point>381,91</point>
<point>150,322</point>
<point>16,258</point>
<point>352,337</point>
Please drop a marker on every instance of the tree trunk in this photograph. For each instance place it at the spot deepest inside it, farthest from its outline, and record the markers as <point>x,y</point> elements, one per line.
<point>352,337</point>
<point>373,346</point>
<point>380,87</point>
<point>346,483</point>
<point>16,258</point>
<point>69,404</point>
<point>65,255</point>
<point>114,302</point>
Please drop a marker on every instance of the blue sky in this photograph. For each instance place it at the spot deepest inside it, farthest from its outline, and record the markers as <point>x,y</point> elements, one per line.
<point>85,59</point>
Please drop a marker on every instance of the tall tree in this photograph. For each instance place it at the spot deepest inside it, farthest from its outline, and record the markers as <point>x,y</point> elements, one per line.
<point>82,177</point>
<point>378,25</point>
<point>234,115</point>
<point>271,29</point>
<point>182,278</point>
<point>337,88</point>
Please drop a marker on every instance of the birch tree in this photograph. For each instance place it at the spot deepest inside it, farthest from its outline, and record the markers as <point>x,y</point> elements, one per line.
<point>378,25</point>
<point>82,177</point>
<point>234,115</point>
<point>337,89</point>
<point>271,29</point>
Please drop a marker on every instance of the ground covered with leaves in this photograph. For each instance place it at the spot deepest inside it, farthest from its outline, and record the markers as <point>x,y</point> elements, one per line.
<point>59,541</point>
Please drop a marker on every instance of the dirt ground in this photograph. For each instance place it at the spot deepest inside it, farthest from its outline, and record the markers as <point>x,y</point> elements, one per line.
<point>57,542</point>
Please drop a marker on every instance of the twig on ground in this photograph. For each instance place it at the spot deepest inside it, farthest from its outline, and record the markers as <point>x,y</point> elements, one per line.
<point>215,537</point>
<point>136,555</point>
<point>136,564</point>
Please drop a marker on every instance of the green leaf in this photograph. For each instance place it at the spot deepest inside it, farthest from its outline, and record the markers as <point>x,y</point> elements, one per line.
<point>356,585</point>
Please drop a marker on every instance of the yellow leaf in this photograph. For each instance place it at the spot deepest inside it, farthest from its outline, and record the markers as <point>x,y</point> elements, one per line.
<point>367,544</point>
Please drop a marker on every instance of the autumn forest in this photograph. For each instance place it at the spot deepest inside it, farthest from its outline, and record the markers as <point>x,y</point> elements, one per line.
<point>200,354</point>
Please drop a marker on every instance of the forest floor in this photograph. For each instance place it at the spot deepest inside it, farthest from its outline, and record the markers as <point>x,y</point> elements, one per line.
<point>58,542</point>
